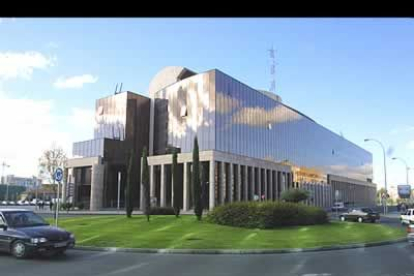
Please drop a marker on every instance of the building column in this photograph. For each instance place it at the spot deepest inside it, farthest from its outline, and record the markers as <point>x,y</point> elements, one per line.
<point>152,181</point>
<point>211,185</point>
<point>239,183</point>
<point>97,179</point>
<point>222,182</point>
<point>186,188</point>
<point>276,180</point>
<point>231,183</point>
<point>271,185</point>
<point>253,184</point>
<point>265,185</point>
<point>246,183</point>
<point>259,183</point>
<point>163,189</point>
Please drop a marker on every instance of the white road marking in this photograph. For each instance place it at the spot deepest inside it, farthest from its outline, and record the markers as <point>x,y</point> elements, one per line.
<point>127,269</point>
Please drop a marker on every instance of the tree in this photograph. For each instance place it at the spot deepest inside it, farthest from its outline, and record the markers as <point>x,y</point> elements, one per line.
<point>51,159</point>
<point>198,208</point>
<point>295,195</point>
<point>145,185</point>
<point>129,187</point>
<point>176,188</point>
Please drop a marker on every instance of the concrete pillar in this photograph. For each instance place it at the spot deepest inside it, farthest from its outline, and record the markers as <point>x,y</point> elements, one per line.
<point>259,182</point>
<point>239,183</point>
<point>152,181</point>
<point>223,182</point>
<point>163,189</point>
<point>186,188</point>
<point>271,185</point>
<point>141,188</point>
<point>231,182</point>
<point>276,180</point>
<point>246,184</point>
<point>211,185</point>
<point>97,187</point>
<point>265,192</point>
<point>252,184</point>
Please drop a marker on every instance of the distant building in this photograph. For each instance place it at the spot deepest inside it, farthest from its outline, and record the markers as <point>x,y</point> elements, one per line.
<point>27,182</point>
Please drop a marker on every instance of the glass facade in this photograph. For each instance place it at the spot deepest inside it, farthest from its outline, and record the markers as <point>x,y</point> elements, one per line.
<point>229,116</point>
<point>183,110</point>
<point>89,148</point>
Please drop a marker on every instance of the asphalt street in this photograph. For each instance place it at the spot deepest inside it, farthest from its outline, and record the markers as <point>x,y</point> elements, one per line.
<point>397,259</point>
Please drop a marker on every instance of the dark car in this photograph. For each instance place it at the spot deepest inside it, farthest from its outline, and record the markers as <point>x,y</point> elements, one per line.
<point>360,215</point>
<point>24,233</point>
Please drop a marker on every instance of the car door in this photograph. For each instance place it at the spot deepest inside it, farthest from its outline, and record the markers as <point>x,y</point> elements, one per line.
<point>4,237</point>
<point>405,218</point>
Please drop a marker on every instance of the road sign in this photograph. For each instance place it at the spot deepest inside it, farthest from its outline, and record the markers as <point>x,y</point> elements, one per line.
<point>58,174</point>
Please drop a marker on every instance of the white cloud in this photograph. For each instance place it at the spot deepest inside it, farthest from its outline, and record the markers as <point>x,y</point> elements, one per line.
<point>83,119</point>
<point>400,130</point>
<point>30,126</point>
<point>52,44</point>
<point>257,116</point>
<point>74,82</point>
<point>22,64</point>
<point>410,145</point>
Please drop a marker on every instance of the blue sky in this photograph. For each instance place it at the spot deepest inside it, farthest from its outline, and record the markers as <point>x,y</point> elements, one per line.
<point>353,76</point>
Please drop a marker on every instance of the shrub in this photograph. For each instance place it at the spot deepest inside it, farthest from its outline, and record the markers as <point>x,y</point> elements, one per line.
<point>80,205</point>
<point>295,195</point>
<point>162,211</point>
<point>266,215</point>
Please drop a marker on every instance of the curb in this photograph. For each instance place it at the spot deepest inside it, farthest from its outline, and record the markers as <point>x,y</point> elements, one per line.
<point>238,251</point>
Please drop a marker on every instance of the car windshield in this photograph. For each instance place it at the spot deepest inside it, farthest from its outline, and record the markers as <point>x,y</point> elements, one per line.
<point>23,219</point>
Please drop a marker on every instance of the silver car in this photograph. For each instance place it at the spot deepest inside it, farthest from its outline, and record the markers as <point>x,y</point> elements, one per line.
<point>410,233</point>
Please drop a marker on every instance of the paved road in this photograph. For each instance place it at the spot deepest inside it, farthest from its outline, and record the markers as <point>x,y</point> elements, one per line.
<point>397,259</point>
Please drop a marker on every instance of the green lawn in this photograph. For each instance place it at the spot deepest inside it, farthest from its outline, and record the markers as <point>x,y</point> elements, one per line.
<point>187,232</point>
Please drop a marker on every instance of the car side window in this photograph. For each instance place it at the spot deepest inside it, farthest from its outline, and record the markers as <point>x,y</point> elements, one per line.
<point>1,220</point>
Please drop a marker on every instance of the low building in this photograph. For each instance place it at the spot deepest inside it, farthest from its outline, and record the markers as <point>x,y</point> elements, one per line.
<point>251,144</point>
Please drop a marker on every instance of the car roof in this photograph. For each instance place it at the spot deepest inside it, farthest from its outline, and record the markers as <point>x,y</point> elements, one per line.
<point>14,210</point>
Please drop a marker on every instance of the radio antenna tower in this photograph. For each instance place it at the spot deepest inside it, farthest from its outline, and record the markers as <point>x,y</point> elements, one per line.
<point>272,70</point>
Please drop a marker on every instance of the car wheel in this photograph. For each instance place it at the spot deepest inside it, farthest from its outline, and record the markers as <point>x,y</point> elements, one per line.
<point>360,219</point>
<point>19,250</point>
<point>342,218</point>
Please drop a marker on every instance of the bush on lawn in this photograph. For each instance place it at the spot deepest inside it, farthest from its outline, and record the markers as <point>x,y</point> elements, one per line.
<point>266,215</point>
<point>295,195</point>
<point>162,211</point>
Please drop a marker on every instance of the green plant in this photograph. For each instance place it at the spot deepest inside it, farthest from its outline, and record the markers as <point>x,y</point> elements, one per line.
<point>80,205</point>
<point>266,215</point>
<point>128,190</point>
<point>176,188</point>
<point>295,195</point>
<point>145,185</point>
<point>162,211</point>
<point>198,208</point>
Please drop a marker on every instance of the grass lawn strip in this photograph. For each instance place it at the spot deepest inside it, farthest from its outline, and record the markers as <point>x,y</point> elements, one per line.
<point>186,232</point>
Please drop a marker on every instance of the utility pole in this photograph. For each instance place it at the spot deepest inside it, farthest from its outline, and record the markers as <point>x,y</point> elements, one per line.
<point>4,165</point>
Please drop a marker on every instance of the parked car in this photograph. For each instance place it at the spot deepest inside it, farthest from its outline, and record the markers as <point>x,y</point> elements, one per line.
<point>12,203</point>
<point>4,202</point>
<point>360,215</point>
<point>407,217</point>
<point>410,233</point>
<point>24,233</point>
<point>338,206</point>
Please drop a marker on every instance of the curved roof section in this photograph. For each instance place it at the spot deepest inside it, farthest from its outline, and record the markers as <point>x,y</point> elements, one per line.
<point>167,76</point>
<point>271,95</point>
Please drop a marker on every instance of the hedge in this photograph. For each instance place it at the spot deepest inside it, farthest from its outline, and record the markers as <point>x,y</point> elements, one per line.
<point>266,215</point>
<point>162,211</point>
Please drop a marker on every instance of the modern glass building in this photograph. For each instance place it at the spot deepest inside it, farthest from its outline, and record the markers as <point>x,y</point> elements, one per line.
<point>251,143</point>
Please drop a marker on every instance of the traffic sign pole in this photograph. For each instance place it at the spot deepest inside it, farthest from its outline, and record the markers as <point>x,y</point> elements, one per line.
<point>58,177</point>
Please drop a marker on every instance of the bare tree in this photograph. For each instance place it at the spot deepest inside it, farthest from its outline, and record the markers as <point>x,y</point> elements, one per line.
<point>50,160</point>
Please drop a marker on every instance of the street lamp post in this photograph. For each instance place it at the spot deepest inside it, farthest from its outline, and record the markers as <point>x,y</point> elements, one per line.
<point>385,171</point>
<point>406,167</point>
